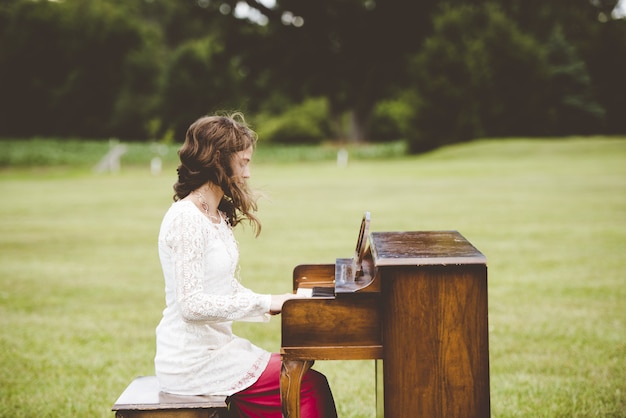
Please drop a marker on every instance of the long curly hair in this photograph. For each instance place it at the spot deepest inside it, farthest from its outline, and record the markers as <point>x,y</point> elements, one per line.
<point>207,154</point>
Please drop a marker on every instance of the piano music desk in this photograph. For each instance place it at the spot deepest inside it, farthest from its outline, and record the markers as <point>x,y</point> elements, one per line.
<point>420,310</point>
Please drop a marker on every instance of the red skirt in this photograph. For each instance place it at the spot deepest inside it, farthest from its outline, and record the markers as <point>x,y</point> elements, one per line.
<point>262,399</point>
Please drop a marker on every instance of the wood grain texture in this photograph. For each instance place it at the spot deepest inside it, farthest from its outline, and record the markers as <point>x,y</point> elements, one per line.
<point>424,313</point>
<point>436,355</point>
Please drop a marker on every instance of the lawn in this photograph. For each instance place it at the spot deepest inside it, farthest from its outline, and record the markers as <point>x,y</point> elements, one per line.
<point>81,287</point>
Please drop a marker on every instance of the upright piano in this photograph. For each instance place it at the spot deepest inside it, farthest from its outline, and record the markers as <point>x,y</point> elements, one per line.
<point>417,305</point>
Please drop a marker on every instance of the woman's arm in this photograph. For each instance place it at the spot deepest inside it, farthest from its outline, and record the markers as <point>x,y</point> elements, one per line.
<point>188,244</point>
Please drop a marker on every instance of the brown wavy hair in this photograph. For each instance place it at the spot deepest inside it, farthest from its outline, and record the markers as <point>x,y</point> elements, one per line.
<point>207,154</point>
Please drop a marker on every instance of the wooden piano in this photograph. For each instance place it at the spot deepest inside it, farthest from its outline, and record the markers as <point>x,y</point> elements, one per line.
<point>418,306</point>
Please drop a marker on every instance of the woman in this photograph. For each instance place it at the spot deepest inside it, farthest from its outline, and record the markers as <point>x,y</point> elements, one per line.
<point>197,352</point>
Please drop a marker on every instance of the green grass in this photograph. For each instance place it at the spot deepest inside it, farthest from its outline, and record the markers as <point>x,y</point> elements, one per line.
<point>81,289</point>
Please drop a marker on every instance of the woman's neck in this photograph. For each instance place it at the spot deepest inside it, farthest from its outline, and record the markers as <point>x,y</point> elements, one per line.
<point>208,198</point>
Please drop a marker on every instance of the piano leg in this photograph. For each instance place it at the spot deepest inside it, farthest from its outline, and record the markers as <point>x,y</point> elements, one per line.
<point>291,373</point>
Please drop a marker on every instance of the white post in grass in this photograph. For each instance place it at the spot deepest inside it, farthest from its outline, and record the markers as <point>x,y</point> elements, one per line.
<point>156,164</point>
<point>111,161</point>
<point>342,157</point>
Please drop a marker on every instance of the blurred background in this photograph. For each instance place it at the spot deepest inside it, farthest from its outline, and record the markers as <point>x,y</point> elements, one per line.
<point>532,94</point>
<point>431,72</point>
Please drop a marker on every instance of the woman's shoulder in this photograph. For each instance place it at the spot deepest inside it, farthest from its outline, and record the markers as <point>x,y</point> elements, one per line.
<point>184,205</point>
<point>182,208</point>
<point>181,215</point>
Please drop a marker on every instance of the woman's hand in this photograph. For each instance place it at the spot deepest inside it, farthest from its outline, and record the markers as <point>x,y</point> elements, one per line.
<point>277,302</point>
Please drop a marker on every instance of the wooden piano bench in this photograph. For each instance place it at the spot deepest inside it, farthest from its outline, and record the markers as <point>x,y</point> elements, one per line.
<point>143,399</point>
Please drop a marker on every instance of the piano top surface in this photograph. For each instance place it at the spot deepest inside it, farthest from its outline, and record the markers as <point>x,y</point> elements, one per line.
<point>423,248</point>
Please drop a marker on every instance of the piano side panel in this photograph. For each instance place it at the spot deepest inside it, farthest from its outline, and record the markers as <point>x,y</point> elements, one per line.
<point>436,355</point>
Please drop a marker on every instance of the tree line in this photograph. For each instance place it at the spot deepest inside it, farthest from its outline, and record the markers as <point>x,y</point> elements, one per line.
<point>432,72</point>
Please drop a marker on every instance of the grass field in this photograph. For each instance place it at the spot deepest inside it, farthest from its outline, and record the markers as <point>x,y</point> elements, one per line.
<point>81,289</point>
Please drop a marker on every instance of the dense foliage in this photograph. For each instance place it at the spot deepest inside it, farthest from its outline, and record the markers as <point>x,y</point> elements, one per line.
<point>431,72</point>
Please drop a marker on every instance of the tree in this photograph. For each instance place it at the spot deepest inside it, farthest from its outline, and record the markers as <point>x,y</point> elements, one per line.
<point>352,52</point>
<point>30,40</point>
<point>477,75</point>
<point>113,67</point>
<point>606,62</point>
<point>64,67</point>
<point>199,80</point>
<point>570,105</point>
<point>595,37</point>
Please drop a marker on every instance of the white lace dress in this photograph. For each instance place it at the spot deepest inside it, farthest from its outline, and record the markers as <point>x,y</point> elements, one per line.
<point>196,351</point>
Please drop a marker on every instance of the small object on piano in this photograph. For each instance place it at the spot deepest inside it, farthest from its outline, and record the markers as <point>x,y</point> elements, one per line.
<point>348,270</point>
<point>345,271</point>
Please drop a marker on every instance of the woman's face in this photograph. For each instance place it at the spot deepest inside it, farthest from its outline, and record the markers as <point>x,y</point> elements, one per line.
<point>241,165</point>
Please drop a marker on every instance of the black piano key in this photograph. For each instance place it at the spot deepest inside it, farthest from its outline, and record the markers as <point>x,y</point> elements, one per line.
<point>321,292</point>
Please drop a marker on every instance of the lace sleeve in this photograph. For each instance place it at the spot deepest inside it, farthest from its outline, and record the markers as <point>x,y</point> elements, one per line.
<point>189,242</point>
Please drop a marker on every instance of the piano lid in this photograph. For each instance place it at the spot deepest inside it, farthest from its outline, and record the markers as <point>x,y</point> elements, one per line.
<point>423,248</point>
